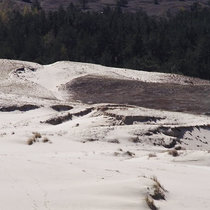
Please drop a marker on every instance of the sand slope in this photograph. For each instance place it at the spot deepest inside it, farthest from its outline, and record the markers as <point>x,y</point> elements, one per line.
<point>96,155</point>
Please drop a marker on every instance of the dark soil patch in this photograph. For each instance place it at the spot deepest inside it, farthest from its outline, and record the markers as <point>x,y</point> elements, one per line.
<point>63,118</point>
<point>129,120</point>
<point>165,96</point>
<point>58,120</point>
<point>178,133</point>
<point>83,112</point>
<point>60,108</point>
<point>23,108</point>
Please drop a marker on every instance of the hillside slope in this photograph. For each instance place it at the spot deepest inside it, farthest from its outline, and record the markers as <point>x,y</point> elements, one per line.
<point>67,142</point>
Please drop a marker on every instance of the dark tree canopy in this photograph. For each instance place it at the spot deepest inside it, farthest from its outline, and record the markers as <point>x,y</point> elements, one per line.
<point>177,44</point>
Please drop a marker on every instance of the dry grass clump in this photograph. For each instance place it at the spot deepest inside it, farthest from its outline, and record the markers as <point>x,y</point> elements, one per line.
<point>150,203</point>
<point>37,135</point>
<point>173,152</point>
<point>45,140</point>
<point>158,193</point>
<point>35,138</point>
<point>151,155</point>
<point>178,148</point>
<point>114,141</point>
<point>31,140</point>
<point>154,178</point>
<point>131,154</point>
<point>116,153</point>
<point>92,139</point>
<point>135,140</point>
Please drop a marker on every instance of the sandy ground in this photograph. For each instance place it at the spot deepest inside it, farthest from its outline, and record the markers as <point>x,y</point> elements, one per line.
<point>96,156</point>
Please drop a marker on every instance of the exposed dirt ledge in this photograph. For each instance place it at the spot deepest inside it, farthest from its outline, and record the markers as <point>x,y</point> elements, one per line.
<point>130,119</point>
<point>58,120</point>
<point>60,108</point>
<point>177,133</point>
<point>63,118</point>
<point>83,112</point>
<point>23,108</point>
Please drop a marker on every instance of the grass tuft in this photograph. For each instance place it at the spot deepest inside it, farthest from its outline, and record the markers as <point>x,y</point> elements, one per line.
<point>154,178</point>
<point>150,203</point>
<point>158,193</point>
<point>151,155</point>
<point>31,140</point>
<point>173,152</point>
<point>45,140</point>
<point>37,135</point>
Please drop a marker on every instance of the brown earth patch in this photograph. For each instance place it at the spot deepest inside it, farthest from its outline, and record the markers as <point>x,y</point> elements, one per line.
<point>165,96</point>
<point>23,108</point>
<point>60,108</point>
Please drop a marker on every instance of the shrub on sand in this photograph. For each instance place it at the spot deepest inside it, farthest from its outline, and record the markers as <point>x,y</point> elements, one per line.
<point>154,178</point>
<point>31,140</point>
<point>45,140</point>
<point>151,155</point>
<point>37,135</point>
<point>150,203</point>
<point>173,152</point>
<point>158,193</point>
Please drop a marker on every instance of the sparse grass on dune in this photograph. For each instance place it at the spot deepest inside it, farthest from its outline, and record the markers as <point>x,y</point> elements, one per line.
<point>35,138</point>
<point>156,192</point>
<point>150,203</point>
<point>45,140</point>
<point>173,152</point>
<point>156,181</point>
<point>37,135</point>
<point>31,140</point>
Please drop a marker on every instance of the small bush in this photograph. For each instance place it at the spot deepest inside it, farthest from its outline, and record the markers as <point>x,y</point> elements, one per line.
<point>45,140</point>
<point>151,155</point>
<point>114,141</point>
<point>173,152</point>
<point>131,154</point>
<point>158,193</point>
<point>31,140</point>
<point>178,148</point>
<point>135,140</point>
<point>92,139</point>
<point>150,203</point>
<point>37,135</point>
<point>154,178</point>
<point>35,138</point>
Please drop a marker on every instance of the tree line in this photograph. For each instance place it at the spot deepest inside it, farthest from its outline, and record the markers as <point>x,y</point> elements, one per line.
<point>176,44</point>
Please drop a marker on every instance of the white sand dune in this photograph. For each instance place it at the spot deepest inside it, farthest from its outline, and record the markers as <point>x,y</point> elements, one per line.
<point>93,159</point>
